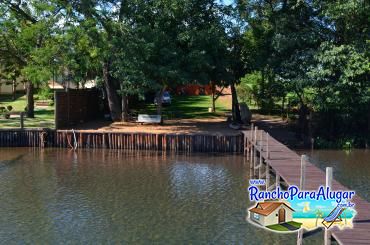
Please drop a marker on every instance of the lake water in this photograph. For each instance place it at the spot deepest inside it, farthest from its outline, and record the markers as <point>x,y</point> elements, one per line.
<point>55,196</point>
<point>351,168</point>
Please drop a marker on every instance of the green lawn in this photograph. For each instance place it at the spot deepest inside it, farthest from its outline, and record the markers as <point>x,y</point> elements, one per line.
<point>279,227</point>
<point>44,118</point>
<point>188,107</point>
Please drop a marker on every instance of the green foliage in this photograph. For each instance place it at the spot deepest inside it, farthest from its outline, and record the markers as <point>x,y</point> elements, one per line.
<point>340,77</point>
<point>45,93</point>
<point>313,52</point>
<point>345,143</point>
<point>317,53</point>
<point>248,89</point>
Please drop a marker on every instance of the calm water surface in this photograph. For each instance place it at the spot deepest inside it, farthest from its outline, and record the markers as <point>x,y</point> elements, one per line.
<point>351,168</point>
<point>54,196</point>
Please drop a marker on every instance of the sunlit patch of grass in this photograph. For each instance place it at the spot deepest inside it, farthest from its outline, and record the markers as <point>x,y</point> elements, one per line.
<point>44,118</point>
<point>189,107</point>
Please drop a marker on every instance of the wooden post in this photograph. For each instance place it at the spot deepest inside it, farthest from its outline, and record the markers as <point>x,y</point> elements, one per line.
<point>251,168</point>
<point>260,156</point>
<point>251,143</point>
<point>277,180</point>
<point>254,158</point>
<point>329,180</point>
<point>255,135</point>
<point>246,147</point>
<point>260,166</point>
<point>301,186</point>
<point>303,172</point>
<point>267,176</point>
<point>255,148</point>
<point>251,131</point>
<point>251,152</point>
<point>261,143</point>
<point>22,120</point>
<point>267,146</point>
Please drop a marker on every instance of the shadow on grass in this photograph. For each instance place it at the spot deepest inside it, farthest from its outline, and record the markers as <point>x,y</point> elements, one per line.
<point>44,118</point>
<point>8,98</point>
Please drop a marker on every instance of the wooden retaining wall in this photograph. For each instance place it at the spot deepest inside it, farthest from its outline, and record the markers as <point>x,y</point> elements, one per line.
<point>26,137</point>
<point>120,140</point>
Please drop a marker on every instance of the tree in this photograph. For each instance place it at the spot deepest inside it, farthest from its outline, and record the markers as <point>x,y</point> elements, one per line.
<point>340,75</point>
<point>26,28</point>
<point>185,43</point>
<point>319,214</point>
<point>101,21</point>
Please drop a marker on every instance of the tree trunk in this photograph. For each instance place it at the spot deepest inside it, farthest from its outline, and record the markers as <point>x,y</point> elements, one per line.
<point>282,107</point>
<point>235,104</point>
<point>368,121</point>
<point>30,102</point>
<point>113,101</point>
<point>368,127</point>
<point>159,100</point>
<point>213,88</point>
<point>14,88</point>
<point>302,120</point>
<point>124,108</point>
<point>213,103</point>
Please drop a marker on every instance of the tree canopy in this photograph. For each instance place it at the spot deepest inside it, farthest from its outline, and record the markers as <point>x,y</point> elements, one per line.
<point>312,53</point>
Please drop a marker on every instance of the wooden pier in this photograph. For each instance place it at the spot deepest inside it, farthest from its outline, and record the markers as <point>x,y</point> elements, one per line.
<point>278,165</point>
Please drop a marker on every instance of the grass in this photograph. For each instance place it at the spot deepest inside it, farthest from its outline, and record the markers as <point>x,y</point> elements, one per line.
<point>18,104</point>
<point>44,118</point>
<point>188,107</point>
<point>279,227</point>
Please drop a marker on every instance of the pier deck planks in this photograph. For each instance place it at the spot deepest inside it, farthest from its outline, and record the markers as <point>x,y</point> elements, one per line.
<point>287,164</point>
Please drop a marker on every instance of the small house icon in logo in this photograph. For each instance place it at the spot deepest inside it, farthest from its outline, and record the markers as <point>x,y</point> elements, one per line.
<point>270,213</point>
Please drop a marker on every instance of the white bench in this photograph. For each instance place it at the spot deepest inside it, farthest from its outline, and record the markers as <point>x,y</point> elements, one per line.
<point>144,118</point>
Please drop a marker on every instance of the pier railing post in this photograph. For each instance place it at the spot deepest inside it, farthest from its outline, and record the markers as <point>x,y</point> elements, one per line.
<point>251,132</point>
<point>261,142</point>
<point>267,176</point>
<point>277,180</point>
<point>303,172</point>
<point>301,186</point>
<point>329,180</point>
<point>254,149</point>
<point>255,135</point>
<point>267,146</point>
<point>250,143</point>
<point>245,143</point>
<point>260,156</point>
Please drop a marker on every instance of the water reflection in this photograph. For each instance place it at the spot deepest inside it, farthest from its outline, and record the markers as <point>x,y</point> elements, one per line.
<point>351,168</point>
<point>100,196</point>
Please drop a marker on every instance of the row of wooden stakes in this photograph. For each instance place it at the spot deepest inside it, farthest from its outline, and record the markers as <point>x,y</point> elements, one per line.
<point>119,140</point>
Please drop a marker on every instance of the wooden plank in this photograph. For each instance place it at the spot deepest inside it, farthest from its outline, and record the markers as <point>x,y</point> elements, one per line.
<point>286,165</point>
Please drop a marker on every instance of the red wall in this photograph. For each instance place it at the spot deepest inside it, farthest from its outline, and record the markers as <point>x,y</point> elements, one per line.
<point>194,89</point>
